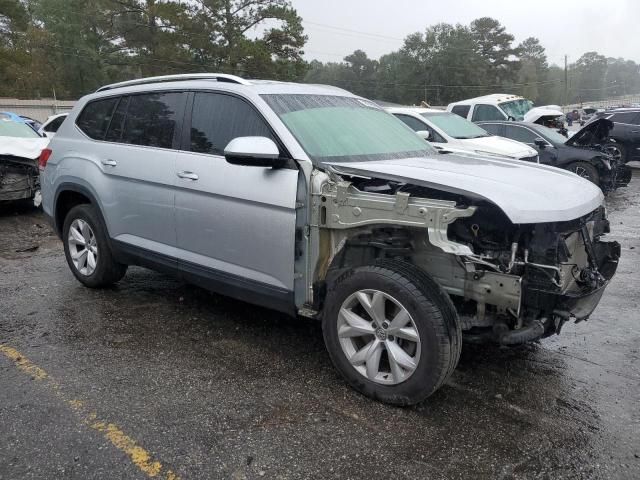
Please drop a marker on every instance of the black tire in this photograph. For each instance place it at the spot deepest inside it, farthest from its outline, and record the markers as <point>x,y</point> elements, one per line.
<point>107,270</point>
<point>434,316</point>
<point>586,171</point>
<point>617,151</point>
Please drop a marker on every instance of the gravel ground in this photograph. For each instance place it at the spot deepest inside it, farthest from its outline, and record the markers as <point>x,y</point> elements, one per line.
<point>156,378</point>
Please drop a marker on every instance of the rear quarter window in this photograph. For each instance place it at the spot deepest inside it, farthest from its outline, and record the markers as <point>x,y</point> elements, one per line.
<point>96,116</point>
<point>462,110</point>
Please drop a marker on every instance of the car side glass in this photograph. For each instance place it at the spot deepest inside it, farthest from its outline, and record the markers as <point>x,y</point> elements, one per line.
<point>486,112</point>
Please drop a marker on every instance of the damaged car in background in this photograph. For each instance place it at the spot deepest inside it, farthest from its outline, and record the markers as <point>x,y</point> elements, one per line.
<point>20,148</point>
<point>338,212</point>
<point>584,153</point>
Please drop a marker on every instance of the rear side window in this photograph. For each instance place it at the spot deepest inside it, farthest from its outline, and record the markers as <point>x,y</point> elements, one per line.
<point>631,118</point>
<point>486,112</point>
<point>462,110</point>
<point>96,116</point>
<point>150,120</point>
<point>217,119</point>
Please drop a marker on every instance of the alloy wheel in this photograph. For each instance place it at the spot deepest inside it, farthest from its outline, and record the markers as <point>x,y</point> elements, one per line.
<point>378,337</point>
<point>582,172</point>
<point>614,151</point>
<point>83,247</point>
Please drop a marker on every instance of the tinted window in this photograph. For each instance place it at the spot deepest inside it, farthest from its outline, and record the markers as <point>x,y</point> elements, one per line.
<point>520,134</point>
<point>412,123</point>
<point>151,119</point>
<point>462,110</point>
<point>117,122</point>
<point>626,117</point>
<point>94,119</point>
<point>486,112</point>
<point>492,128</point>
<point>217,119</point>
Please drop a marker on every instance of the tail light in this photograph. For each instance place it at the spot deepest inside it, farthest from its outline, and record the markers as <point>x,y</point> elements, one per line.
<point>44,158</point>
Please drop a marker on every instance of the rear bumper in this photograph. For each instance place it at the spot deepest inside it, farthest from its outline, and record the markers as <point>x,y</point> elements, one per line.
<point>577,304</point>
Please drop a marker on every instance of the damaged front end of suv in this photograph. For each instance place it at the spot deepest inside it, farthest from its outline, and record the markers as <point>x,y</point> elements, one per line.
<point>511,282</point>
<point>20,148</point>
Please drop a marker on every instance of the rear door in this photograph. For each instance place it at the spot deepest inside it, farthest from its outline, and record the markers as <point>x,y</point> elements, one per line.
<point>137,157</point>
<point>235,224</point>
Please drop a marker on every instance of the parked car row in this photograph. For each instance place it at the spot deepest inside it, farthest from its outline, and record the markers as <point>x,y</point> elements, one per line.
<point>313,201</point>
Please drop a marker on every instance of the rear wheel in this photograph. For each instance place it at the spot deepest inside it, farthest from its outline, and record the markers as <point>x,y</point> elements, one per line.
<point>87,249</point>
<point>391,332</point>
<point>586,171</point>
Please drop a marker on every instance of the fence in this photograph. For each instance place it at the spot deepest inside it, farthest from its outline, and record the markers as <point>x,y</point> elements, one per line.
<point>36,109</point>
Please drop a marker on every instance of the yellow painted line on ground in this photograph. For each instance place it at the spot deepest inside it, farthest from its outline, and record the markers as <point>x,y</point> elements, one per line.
<point>140,457</point>
<point>23,363</point>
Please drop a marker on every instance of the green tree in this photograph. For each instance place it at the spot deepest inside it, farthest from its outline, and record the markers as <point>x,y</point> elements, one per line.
<point>533,68</point>
<point>588,77</point>
<point>494,44</point>
<point>228,45</point>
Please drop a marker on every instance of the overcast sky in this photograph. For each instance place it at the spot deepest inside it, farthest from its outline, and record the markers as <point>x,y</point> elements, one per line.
<point>563,26</point>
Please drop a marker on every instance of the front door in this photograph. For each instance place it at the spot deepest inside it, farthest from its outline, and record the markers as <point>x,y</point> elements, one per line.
<point>235,224</point>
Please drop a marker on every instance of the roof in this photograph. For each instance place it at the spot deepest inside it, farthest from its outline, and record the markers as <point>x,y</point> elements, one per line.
<point>494,97</point>
<point>234,82</point>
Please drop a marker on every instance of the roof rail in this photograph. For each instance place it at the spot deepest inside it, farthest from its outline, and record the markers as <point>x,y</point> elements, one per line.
<point>220,77</point>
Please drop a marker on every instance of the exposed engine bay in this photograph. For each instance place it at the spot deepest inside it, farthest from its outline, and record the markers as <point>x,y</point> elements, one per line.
<point>19,178</point>
<point>510,283</point>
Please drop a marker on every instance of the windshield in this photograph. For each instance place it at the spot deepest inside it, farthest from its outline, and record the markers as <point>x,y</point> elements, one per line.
<point>346,129</point>
<point>455,126</point>
<point>552,135</point>
<point>517,108</point>
<point>11,128</point>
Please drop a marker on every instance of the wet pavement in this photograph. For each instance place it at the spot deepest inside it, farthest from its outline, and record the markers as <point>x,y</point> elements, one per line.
<point>156,378</point>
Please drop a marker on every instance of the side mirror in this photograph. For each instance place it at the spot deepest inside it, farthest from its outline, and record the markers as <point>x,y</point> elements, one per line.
<point>425,134</point>
<point>254,152</point>
<point>539,142</point>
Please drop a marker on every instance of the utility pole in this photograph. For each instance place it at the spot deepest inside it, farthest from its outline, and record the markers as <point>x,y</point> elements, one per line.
<point>566,81</point>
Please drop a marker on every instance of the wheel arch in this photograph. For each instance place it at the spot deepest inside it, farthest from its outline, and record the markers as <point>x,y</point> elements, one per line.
<point>67,196</point>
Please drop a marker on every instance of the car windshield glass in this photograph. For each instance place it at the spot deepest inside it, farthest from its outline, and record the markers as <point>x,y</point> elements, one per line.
<point>10,128</point>
<point>517,108</point>
<point>346,129</point>
<point>455,126</point>
<point>550,134</point>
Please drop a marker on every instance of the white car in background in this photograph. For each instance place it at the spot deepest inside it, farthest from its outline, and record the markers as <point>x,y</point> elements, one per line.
<point>51,126</point>
<point>448,131</point>
<point>502,106</point>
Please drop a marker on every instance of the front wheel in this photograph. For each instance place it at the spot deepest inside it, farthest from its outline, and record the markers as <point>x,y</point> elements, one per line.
<point>616,151</point>
<point>87,249</point>
<point>586,171</point>
<point>391,332</point>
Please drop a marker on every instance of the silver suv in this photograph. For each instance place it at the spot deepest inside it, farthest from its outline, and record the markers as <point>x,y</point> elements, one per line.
<point>315,202</point>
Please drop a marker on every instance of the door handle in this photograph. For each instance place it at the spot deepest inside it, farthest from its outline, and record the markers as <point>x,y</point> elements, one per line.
<point>188,175</point>
<point>109,163</point>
